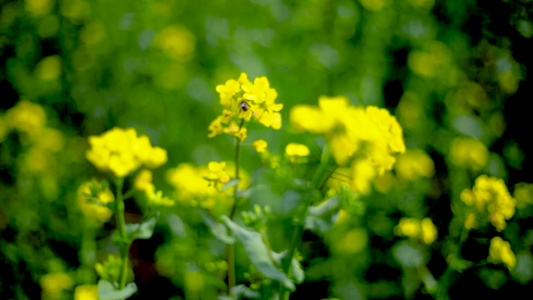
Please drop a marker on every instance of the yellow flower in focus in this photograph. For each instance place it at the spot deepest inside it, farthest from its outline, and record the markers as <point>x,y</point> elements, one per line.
<point>469,152</point>
<point>490,194</point>
<point>260,146</point>
<point>54,284</point>
<point>243,100</point>
<point>414,163</point>
<point>500,252</point>
<point>296,152</point>
<point>26,117</point>
<point>86,292</point>
<point>121,151</point>
<point>94,212</point>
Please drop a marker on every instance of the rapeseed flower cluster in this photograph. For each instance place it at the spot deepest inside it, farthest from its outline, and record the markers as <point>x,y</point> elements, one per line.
<point>500,252</point>
<point>121,151</point>
<point>469,152</point>
<point>86,292</point>
<point>243,100</point>
<point>424,231</point>
<point>202,185</point>
<point>490,197</point>
<point>297,153</point>
<point>368,137</point>
<point>93,198</point>
<point>54,284</point>
<point>143,182</point>
<point>27,118</point>
<point>413,164</point>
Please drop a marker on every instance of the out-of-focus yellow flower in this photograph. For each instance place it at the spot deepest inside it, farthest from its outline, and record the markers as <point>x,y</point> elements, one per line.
<point>216,172</point>
<point>469,152</point>
<point>429,63</point>
<point>424,231</point>
<point>94,212</point>
<point>157,199</point>
<point>121,151</point>
<point>260,146</point>
<point>414,163</point>
<point>54,284</point>
<point>491,194</point>
<point>523,193</point>
<point>86,292</point>
<point>296,152</point>
<point>26,117</point>
<point>109,269</point>
<point>470,221</point>
<point>38,8</point>
<point>191,185</point>
<point>243,100</point>
<point>429,231</point>
<point>194,281</point>
<point>49,68</point>
<point>176,42</point>
<point>143,181</point>
<point>352,242</point>
<point>500,252</point>
<point>363,172</point>
<point>373,5</point>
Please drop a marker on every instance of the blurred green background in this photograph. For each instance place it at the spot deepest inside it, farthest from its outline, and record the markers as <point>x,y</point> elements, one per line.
<point>447,69</point>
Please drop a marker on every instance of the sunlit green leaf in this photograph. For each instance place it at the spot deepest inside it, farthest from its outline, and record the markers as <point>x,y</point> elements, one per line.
<point>106,291</point>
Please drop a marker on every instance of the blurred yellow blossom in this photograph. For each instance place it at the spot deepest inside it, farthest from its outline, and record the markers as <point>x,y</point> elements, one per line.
<point>352,242</point>
<point>86,292</point>
<point>26,117</point>
<point>523,193</point>
<point>468,152</point>
<point>243,100</point>
<point>121,151</point>
<point>176,42</point>
<point>94,212</point>
<point>38,8</point>
<point>490,194</point>
<point>296,152</point>
<point>369,137</point>
<point>260,146</point>
<point>424,231</point>
<point>500,252</point>
<point>143,181</point>
<point>49,67</point>
<point>414,163</point>
<point>54,284</point>
<point>216,172</point>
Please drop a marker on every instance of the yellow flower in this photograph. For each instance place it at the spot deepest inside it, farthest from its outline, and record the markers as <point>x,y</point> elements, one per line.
<point>424,231</point>
<point>243,100</point>
<point>260,146</point>
<point>523,193</point>
<point>500,252</point>
<point>26,117</point>
<point>176,42</point>
<point>429,231</point>
<point>216,172</point>
<point>296,152</point>
<point>121,151</point>
<point>54,284</point>
<point>95,213</point>
<point>157,199</point>
<point>86,292</point>
<point>470,222</point>
<point>469,152</point>
<point>143,181</point>
<point>490,194</point>
<point>414,163</point>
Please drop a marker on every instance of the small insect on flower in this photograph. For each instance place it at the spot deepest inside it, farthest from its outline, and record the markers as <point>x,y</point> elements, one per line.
<point>244,106</point>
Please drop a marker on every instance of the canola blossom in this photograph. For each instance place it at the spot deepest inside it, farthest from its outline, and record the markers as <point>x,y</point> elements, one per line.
<point>489,195</point>
<point>424,231</point>
<point>243,100</point>
<point>368,137</point>
<point>500,252</point>
<point>121,152</point>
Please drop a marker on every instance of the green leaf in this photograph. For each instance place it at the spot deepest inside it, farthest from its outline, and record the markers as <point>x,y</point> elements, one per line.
<point>316,223</point>
<point>176,225</point>
<point>297,271</point>
<point>290,202</point>
<point>232,182</point>
<point>407,255</point>
<point>143,230</point>
<point>218,230</point>
<point>328,205</point>
<point>258,253</point>
<point>241,289</point>
<point>106,291</point>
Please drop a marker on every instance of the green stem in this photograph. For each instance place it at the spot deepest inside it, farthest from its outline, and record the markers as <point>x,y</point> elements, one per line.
<point>230,248</point>
<point>121,223</point>
<point>317,183</point>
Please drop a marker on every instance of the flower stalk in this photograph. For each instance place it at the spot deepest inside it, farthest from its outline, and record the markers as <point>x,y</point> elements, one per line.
<point>121,224</point>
